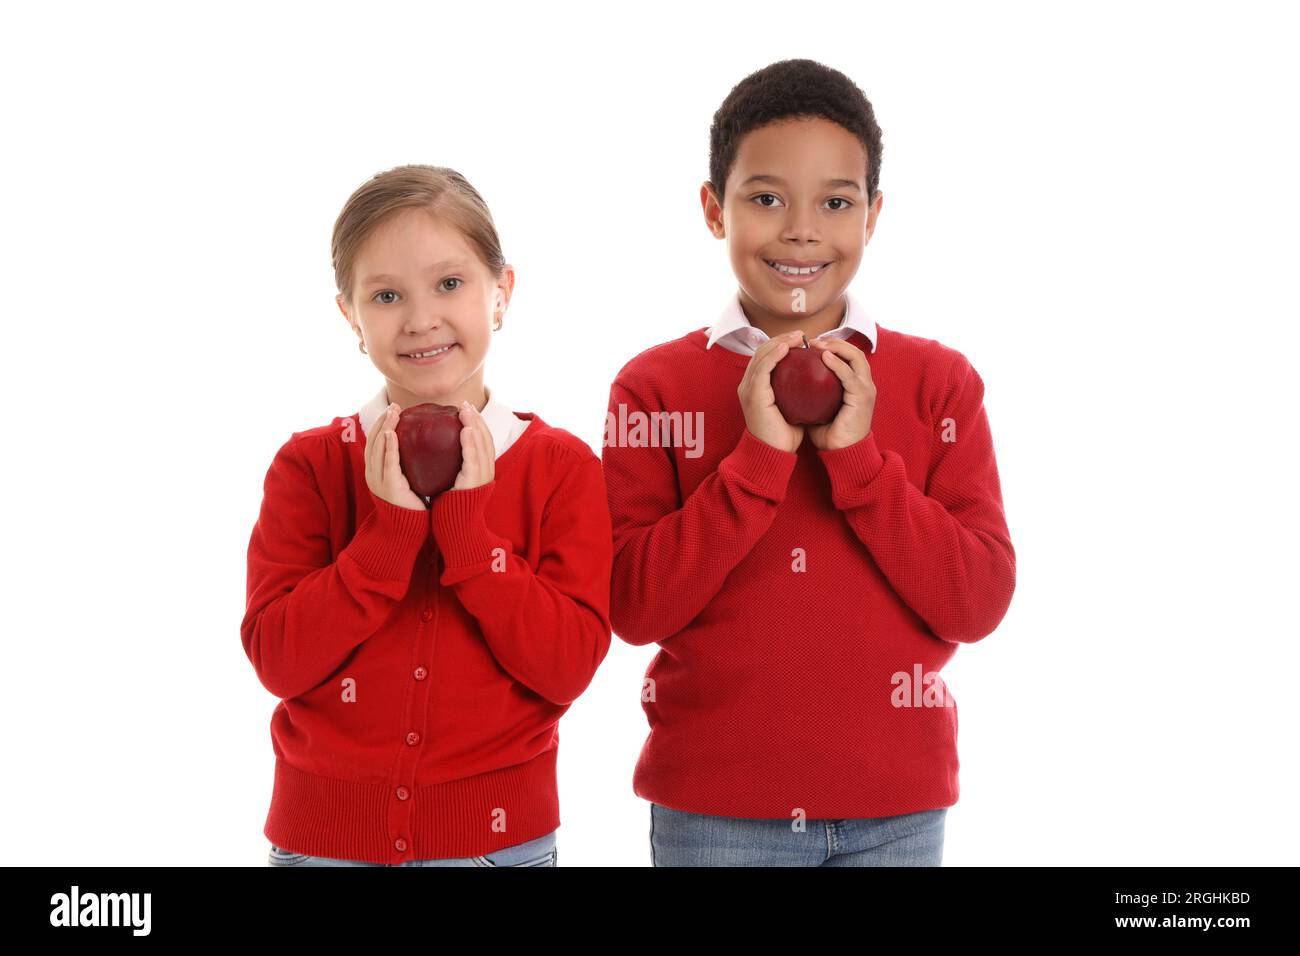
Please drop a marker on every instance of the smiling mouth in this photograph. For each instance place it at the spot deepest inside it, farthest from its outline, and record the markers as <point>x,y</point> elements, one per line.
<point>796,271</point>
<point>431,357</point>
<point>430,353</point>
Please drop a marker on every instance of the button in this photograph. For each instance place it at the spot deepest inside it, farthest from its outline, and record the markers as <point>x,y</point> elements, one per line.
<point>400,844</point>
<point>427,615</point>
<point>412,738</point>
<point>421,673</point>
<point>403,793</point>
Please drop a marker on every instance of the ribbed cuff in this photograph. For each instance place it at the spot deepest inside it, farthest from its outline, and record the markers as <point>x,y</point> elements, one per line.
<point>763,468</point>
<point>388,540</point>
<point>851,469</point>
<point>460,527</point>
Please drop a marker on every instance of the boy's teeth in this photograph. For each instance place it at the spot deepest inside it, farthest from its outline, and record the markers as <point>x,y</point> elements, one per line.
<point>791,270</point>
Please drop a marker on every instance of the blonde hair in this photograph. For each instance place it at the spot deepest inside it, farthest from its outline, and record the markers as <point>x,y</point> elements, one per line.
<point>438,189</point>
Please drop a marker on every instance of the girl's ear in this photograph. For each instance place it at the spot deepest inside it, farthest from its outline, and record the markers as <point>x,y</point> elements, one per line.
<point>361,339</point>
<point>501,296</point>
<point>338,300</point>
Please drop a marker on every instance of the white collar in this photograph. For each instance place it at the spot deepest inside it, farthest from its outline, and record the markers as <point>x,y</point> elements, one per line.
<point>734,323</point>
<point>504,424</point>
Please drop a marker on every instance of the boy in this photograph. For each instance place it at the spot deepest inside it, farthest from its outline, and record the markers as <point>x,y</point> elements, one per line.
<point>805,583</point>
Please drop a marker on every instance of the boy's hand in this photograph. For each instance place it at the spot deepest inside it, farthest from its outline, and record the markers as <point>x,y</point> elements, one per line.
<point>853,421</point>
<point>383,466</point>
<point>477,450</point>
<point>758,401</point>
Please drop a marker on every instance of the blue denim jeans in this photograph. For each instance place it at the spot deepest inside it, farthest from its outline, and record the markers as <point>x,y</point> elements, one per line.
<point>680,838</point>
<point>538,852</point>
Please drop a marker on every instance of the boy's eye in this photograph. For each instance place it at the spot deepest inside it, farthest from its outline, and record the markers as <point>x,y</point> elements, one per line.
<point>772,205</point>
<point>453,279</point>
<point>384,292</point>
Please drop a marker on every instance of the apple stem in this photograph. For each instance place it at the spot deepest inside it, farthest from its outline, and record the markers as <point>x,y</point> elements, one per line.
<point>805,339</point>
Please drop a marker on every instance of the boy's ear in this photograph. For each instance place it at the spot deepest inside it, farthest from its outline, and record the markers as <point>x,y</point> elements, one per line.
<point>712,210</point>
<point>872,212</point>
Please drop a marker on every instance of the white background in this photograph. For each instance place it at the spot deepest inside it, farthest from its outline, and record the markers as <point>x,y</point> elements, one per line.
<point>1095,203</point>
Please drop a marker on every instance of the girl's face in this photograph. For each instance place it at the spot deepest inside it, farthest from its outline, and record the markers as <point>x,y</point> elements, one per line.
<point>419,286</point>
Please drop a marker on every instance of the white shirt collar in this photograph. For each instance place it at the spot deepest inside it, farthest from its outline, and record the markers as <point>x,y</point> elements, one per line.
<point>504,424</point>
<point>734,331</point>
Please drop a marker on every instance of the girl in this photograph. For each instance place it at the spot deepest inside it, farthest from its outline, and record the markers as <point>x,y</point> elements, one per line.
<point>424,650</point>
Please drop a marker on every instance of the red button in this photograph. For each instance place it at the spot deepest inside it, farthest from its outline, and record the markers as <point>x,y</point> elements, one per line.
<point>400,844</point>
<point>427,615</point>
<point>412,738</point>
<point>403,793</point>
<point>421,673</point>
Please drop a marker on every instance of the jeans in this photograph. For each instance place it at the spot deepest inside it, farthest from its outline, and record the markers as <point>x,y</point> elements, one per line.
<point>538,852</point>
<point>681,838</point>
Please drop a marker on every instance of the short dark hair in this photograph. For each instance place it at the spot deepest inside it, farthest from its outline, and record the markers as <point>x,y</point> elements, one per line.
<point>791,89</point>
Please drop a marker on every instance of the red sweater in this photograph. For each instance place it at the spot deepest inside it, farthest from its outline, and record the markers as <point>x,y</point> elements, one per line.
<point>804,602</point>
<point>422,673</point>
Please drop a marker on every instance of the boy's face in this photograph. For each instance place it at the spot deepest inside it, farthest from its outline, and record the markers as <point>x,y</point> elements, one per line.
<point>419,285</point>
<point>796,194</point>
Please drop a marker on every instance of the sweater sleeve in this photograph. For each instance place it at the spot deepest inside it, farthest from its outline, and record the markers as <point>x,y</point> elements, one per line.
<point>946,551</point>
<point>549,628</point>
<point>672,557</point>
<point>307,611</point>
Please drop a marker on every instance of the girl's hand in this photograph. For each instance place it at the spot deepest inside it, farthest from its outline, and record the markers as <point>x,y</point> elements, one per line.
<point>477,450</point>
<point>384,468</point>
<point>853,421</point>
<point>758,401</point>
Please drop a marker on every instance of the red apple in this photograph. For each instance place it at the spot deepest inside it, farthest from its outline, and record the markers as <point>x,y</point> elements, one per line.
<point>428,444</point>
<point>807,392</point>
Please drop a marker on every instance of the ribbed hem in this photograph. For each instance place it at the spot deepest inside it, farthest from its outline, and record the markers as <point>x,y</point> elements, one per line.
<point>763,468</point>
<point>388,540</point>
<point>460,528</point>
<point>749,804</point>
<point>324,816</point>
<point>851,469</point>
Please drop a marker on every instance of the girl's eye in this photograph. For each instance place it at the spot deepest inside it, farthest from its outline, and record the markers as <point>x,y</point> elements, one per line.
<point>760,196</point>
<point>839,199</point>
<point>455,279</point>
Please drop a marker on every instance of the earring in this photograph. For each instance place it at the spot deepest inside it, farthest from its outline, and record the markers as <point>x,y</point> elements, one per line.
<point>362,347</point>
<point>496,326</point>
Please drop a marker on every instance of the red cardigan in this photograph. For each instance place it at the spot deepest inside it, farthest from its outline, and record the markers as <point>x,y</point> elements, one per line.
<point>423,658</point>
<point>804,602</point>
